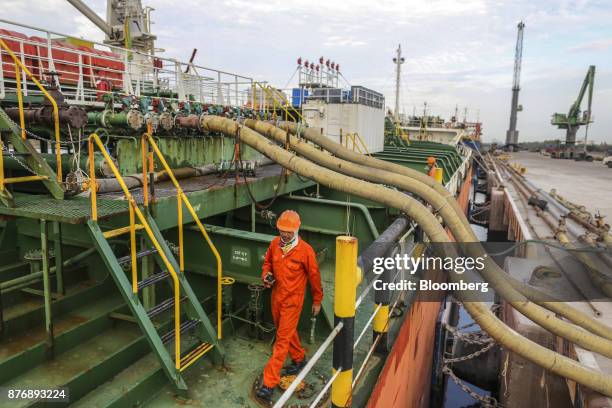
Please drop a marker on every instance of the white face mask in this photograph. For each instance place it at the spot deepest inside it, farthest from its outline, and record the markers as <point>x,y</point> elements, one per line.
<point>293,237</point>
<point>288,246</point>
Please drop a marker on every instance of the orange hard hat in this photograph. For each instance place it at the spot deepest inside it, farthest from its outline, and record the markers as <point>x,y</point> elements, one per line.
<point>431,160</point>
<point>289,221</point>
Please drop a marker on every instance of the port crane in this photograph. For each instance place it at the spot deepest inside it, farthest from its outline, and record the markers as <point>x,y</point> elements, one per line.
<point>575,118</point>
<point>512,133</point>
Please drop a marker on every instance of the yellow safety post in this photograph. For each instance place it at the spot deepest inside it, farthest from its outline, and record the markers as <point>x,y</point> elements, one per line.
<point>439,174</point>
<point>58,151</point>
<point>344,311</point>
<point>195,217</point>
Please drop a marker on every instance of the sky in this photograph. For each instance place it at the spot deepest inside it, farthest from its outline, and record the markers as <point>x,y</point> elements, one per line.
<point>459,53</point>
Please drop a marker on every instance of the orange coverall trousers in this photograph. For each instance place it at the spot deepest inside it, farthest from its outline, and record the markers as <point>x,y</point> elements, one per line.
<point>292,271</point>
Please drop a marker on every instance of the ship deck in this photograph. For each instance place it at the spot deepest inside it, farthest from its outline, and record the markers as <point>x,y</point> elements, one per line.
<point>210,187</point>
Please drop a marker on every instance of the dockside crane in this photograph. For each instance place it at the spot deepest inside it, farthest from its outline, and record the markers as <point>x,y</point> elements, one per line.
<point>512,133</point>
<point>575,118</point>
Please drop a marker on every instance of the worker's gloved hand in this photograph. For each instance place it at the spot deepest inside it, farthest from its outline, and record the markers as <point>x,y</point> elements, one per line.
<point>316,309</point>
<point>269,280</point>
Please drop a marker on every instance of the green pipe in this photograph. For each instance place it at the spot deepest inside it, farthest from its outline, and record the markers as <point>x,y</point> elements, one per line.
<point>123,119</point>
<point>28,279</point>
<point>44,246</point>
<point>67,162</point>
<point>362,208</point>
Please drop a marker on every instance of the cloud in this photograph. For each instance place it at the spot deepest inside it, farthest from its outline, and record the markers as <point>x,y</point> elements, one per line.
<point>339,41</point>
<point>597,45</point>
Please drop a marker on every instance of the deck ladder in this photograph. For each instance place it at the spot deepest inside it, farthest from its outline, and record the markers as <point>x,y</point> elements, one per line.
<point>17,137</point>
<point>189,316</point>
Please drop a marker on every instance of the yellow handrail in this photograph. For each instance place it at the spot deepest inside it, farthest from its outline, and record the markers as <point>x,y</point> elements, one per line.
<point>58,149</point>
<point>10,180</point>
<point>94,138</point>
<point>365,148</point>
<point>182,198</point>
<point>285,106</point>
<point>269,93</point>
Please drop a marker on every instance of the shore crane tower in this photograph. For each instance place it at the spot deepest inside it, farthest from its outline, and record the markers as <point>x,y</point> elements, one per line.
<point>512,133</point>
<point>572,121</point>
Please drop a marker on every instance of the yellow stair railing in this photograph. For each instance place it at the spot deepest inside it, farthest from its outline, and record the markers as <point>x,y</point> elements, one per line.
<point>286,106</point>
<point>58,151</point>
<point>93,140</point>
<point>358,144</point>
<point>147,139</point>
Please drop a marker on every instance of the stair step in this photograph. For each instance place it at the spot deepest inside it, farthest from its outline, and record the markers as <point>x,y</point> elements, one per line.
<point>120,231</point>
<point>193,356</point>
<point>83,367</point>
<point>186,325</point>
<point>128,258</point>
<point>153,279</point>
<point>162,307</point>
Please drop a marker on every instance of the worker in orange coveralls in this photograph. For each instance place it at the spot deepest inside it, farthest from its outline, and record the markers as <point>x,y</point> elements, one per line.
<point>431,164</point>
<point>289,264</point>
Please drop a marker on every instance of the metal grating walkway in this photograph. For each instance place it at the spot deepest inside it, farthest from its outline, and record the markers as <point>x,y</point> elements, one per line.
<point>74,210</point>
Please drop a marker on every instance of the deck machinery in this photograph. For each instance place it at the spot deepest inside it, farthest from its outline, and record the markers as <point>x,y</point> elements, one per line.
<point>147,287</point>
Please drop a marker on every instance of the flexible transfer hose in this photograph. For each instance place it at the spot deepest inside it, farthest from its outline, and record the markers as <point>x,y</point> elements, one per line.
<point>533,294</point>
<point>342,152</point>
<point>507,287</point>
<point>507,337</point>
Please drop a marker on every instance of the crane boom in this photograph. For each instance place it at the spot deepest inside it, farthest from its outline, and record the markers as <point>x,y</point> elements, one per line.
<point>518,57</point>
<point>588,82</point>
<point>92,16</point>
<point>574,119</point>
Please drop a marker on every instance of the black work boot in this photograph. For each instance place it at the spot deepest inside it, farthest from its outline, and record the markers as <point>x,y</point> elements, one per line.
<point>265,393</point>
<point>295,368</point>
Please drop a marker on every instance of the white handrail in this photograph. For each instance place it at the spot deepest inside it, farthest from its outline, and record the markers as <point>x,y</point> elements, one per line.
<point>313,360</point>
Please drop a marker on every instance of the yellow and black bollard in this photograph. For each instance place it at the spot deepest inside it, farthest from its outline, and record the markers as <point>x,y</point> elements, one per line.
<point>344,311</point>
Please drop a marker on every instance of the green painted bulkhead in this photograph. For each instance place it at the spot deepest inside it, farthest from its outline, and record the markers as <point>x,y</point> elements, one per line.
<point>103,355</point>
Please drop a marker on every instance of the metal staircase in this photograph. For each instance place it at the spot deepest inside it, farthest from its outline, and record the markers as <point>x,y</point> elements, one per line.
<point>29,158</point>
<point>189,316</point>
<point>34,163</point>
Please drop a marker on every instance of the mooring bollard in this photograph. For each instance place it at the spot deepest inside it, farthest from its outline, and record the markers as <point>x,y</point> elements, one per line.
<point>344,311</point>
